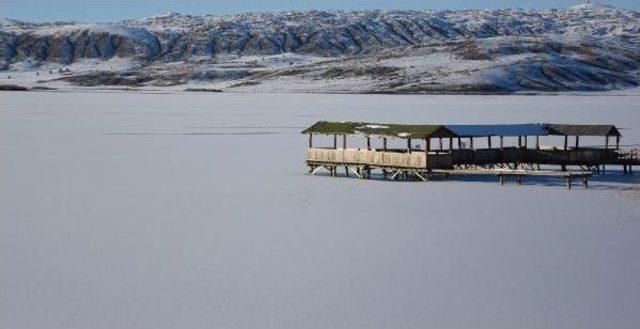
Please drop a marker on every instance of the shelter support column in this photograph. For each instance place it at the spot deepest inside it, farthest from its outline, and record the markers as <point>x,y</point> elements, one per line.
<point>566,142</point>
<point>335,141</point>
<point>384,143</point>
<point>489,141</point>
<point>368,143</point>
<point>501,142</point>
<point>310,140</point>
<point>409,145</point>
<point>344,141</point>
<point>577,141</point>
<point>537,142</point>
<point>617,142</point>
<point>427,149</point>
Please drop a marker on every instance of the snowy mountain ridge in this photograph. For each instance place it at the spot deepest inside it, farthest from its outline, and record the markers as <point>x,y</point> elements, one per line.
<point>585,47</point>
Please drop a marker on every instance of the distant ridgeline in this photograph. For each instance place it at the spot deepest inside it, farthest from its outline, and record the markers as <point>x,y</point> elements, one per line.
<point>585,47</point>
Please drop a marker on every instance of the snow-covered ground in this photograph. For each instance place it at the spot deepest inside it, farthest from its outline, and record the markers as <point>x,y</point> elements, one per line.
<point>193,210</point>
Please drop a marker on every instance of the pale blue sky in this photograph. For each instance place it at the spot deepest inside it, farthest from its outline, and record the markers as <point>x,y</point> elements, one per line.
<point>115,10</point>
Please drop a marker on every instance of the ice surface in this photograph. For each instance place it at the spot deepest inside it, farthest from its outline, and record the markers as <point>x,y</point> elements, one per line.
<point>174,210</point>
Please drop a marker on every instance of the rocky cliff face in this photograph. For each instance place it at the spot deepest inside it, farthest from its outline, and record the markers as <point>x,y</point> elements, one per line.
<point>579,48</point>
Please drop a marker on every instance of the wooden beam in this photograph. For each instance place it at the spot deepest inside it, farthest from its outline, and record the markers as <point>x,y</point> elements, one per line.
<point>427,148</point>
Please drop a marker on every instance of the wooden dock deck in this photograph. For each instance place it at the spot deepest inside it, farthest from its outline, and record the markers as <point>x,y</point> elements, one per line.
<point>499,160</point>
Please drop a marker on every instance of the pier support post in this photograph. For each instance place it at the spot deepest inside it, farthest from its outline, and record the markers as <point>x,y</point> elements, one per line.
<point>569,182</point>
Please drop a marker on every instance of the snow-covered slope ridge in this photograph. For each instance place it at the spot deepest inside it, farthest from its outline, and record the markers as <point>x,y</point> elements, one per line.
<point>585,47</point>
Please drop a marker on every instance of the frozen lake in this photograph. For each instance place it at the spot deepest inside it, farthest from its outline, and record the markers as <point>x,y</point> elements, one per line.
<point>192,210</point>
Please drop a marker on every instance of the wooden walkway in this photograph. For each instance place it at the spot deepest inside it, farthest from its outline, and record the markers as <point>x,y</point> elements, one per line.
<point>569,176</point>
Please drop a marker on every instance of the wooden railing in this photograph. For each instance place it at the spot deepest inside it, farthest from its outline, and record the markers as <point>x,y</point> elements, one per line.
<point>378,158</point>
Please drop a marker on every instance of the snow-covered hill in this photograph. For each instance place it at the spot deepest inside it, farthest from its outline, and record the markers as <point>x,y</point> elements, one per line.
<point>585,47</point>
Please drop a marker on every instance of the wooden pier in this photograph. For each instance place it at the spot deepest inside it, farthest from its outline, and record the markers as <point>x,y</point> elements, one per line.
<point>455,154</point>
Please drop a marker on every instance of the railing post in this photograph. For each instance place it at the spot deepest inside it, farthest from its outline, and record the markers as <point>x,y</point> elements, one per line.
<point>427,148</point>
